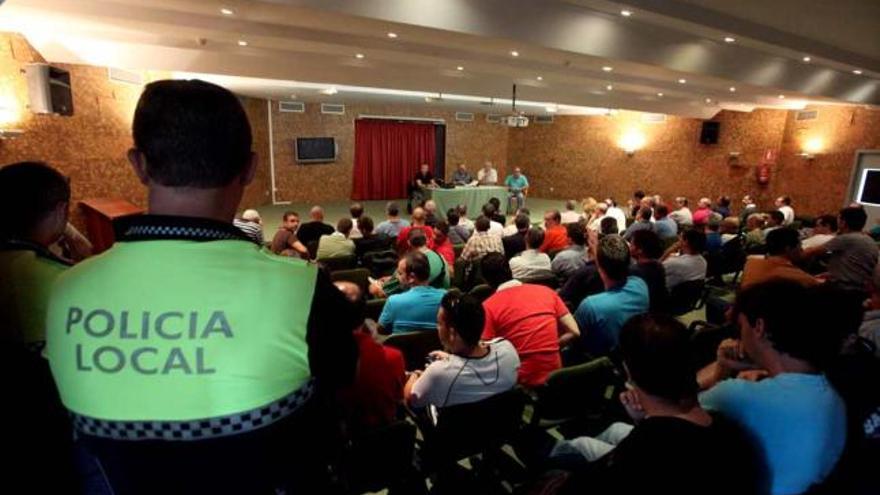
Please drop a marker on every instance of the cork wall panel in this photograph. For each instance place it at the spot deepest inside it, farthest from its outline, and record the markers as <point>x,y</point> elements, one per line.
<point>259,191</point>
<point>470,142</point>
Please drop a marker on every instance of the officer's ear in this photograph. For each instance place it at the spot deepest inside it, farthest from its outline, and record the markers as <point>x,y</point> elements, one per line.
<point>248,174</point>
<point>139,164</point>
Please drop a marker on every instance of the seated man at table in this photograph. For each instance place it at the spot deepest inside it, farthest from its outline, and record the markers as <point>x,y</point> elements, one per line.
<point>415,309</point>
<point>462,177</point>
<point>487,176</point>
<point>517,186</point>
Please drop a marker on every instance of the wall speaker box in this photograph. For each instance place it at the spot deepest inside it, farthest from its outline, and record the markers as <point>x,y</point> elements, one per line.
<point>709,132</point>
<point>49,89</point>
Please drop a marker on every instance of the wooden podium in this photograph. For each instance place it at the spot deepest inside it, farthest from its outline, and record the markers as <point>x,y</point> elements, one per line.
<point>100,213</point>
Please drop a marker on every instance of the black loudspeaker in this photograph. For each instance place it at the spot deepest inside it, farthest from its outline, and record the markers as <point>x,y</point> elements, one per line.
<point>709,132</point>
<point>49,89</point>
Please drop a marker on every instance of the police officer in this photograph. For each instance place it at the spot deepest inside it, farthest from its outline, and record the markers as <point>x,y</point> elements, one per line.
<point>189,357</point>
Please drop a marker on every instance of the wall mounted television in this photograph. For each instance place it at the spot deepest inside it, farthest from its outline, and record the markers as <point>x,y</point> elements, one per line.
<point>315,150</point>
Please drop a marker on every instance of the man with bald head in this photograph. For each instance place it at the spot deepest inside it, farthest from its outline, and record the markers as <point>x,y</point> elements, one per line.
<point>311,231</point>
<point>487,176</point>
<point>418,221</point>
<point>517,185</point>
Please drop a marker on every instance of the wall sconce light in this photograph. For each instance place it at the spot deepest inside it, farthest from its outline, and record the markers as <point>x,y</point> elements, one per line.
<point>812,147</point>
<point>631,142</point>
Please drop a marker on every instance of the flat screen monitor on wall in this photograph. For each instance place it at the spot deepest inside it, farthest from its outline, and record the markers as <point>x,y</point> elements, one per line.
<point>869,187</point>
<point>315,150</point>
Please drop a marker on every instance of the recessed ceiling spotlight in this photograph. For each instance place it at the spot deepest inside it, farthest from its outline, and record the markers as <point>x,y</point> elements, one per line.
<point>708,100</point>
<point>660,95</point>
<point>682,81</point>
<point>729,39</point>
<point>539,78</point>
<point>732,89</point>
<point>609,87</point>
<point>857,72</point>
<point>781,97</point>
<point>226,11</point>
<point>626,13</point>
<point>514,53</point>
<point>392,35</point>
<point>358,55</point>
<point>607,68</point>
<point>806,59</point>
<point>242,43</point>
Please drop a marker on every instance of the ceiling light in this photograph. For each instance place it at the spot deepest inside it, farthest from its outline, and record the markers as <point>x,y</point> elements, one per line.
<point>540,78</point>
<point>550,109</point>
<point>225,11</point>
<point>358,55</point>
<point>806,59</point>
<point>607,68</point>
<point>626,13</point>
<point>609,87</point>
<point>459,68</point>
<point>729,39</point>
<point>292,97</point>
<point>732,89</point>
<point>682,81</point>
<point>428,99</point>
<point>708,100</point>
<point>781,97</point>
<point>857,72</point>
<point>514,53</point>
<point>242,43</point>
<point>392,35</point>
<point>660,95</point>
<point>329,91</point>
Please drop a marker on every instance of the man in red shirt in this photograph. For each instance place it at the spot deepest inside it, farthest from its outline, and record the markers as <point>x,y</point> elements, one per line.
<point>532,317</point>
<point>418,222</point>
<point>555,234</point>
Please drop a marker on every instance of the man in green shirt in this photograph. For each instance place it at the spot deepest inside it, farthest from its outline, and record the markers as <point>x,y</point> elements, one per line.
<point>517,185</point>
<point>189,356</point>
<point>36,198</point>
<point>338,243</point>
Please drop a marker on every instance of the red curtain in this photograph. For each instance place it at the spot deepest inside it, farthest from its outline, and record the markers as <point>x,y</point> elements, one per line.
<point>387,155</point>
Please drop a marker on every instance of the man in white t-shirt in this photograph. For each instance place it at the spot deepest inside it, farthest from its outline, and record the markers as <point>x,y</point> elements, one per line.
<point>783,204</point>
<point>617,214</point>
<point>487,176</point>
<point>824,231</point>
<point>570,215</point>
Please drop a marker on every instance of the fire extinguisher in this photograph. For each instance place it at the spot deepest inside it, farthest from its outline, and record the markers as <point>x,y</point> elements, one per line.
<point>763,173</point>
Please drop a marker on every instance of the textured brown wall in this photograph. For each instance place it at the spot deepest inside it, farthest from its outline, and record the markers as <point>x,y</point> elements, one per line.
<point>90,146</point>
<point>471,142</point>
<point>577,157</point>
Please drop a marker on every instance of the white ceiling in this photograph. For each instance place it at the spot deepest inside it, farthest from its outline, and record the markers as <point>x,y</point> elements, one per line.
<point>301,46</point>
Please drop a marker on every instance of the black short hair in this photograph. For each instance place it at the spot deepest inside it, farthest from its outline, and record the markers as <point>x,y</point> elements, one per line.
<point>452,216</point>
<point>576,233</point>
<point>356,210</point>
<point>417,238</point>
<point>29,192</point>
<point>192,134</point>
<point>288,214</point>
<point>781,240</point>
<point>534,238</point>
<point>417,264</point>
<point>786,200</point>
<point>792,330</point>
<point>724,201</point>
<point>695,239</point>
<point>854,217</point>
<point>344,225</point>
<point>442,226</point>
<point>462,210</point>
<point>495,202</point>
<point>662,210</point>
<point>656,350</point>
<point>639,194</point>
<point>495,269</point>
<point>555,215</point>
<point>648,242</point>
<point>645,214</point>
<point>613,257</point>
<point>608,226</point>
<point>829,221</point>
<point>489,210</point>
<point>525,211</point>
<point>482,224</point>
<point>778,216</point>
<point>522,222</point>
<point>365,224</point>
<point>465,314</point>
<point>392,209</point>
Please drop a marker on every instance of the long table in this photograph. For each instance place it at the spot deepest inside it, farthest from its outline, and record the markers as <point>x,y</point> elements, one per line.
<point>474,197</point>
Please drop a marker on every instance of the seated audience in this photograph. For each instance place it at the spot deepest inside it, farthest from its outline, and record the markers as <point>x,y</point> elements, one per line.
<point>723,207</point>
<point>532,264</point>
<point>392,226</point>
<point>418,223</point>
<point>754,232</point>
<point>783,252</point>
<point>468,369</point>
<point>682,214</point>
<point>713,236</point>
<point>749,207</point>
<point>600,212</point>
<point>357,211</point>
<point>852,253</point>
<point>608,226</point>
<point>783,204</point>
<point>458,233</point>
<point>570,215</point>
<point>824,231</point>
<point>442,244</point>
<point>601,316</point>
<point>511,227</point>
<point>251,224</point>
<point>689,264</point>
<point>532,317</point>
<point>481,243</point>
<point>438,271</point>
<point>311,231</point>
<point>377,391</point>
<point>369,242</point>
<point>665,226</point>
<point>571,259</point>
<point>775,220</point>
<point>496,222</point>
<point>616,213</point>
<point>431,217</point>
<point>336,244</point>
<point>497,215</point>
<point>516,243</point>
<point>37,198</point>
<point>794,414</point>
<point>555,235</point>
<point>463,219</point>
<point>636,203</point>
<point>729,229</point>
<point>676,446</point>
<point>416,308</point>
<point>646,249</point>
<point>285,242</point>
<point>702,213</point>
<point>642,222</point>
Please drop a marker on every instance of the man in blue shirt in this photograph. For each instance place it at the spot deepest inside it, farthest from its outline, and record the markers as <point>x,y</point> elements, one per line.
<point>516,184</point>
<point>415,309</point>
<point>793,413</point>
<point>665,227</point>
<point>601,316</point>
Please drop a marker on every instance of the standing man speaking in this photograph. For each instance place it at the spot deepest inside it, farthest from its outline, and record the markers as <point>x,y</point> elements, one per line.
<point>189,357</point>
